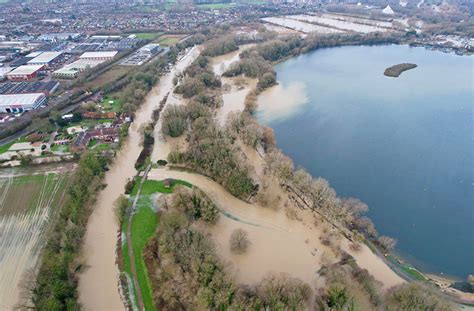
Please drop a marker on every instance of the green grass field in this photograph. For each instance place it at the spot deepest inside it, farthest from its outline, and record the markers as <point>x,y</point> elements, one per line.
<point>4,148</point>
<point>407,269</point>
<point>148,35</point>
<point>144,224</point>
<point>111,103</point>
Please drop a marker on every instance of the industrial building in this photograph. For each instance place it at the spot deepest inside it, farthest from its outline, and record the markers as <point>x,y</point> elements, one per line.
<point>72,70</point>
<point>47,88</point>
<point>44,58</point>
<point>60,36</point>
<point>151,48</point>
<point>103,55</point>
<point>25,72</point>
<point>142,55</point>
<point>17,103</point>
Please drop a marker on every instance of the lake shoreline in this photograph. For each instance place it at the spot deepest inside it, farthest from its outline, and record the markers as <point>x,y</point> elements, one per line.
<point>397,263</point>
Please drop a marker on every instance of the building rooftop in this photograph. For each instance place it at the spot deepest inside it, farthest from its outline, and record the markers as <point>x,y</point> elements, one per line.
<point>34,54</point>
<point>45,57</point>
<point>78,65</point>
<point>19,99</point>
<point>28,87</point>
<point>26,70</point>
<point>100,54</point>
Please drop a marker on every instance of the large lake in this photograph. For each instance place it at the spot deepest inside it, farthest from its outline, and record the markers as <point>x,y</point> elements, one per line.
<point>402,145</point>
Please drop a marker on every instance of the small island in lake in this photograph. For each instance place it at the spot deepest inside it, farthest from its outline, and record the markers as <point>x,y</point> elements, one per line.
<point>396,70</point>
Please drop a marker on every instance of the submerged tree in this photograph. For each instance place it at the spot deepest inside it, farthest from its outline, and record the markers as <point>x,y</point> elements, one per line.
<point>239,241</point>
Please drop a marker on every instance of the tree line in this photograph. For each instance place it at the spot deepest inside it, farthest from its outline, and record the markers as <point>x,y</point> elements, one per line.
<point>55,286</point>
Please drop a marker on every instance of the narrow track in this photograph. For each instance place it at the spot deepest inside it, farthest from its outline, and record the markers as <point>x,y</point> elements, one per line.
<point>131,253</point>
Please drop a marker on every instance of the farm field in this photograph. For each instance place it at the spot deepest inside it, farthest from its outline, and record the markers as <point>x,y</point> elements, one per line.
<point>144,224</point>
<point>28,201</point>
<point>168,40</point>
<point>109,76</point>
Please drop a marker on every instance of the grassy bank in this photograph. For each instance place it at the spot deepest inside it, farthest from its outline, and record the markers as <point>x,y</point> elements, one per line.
<point>144,224</point>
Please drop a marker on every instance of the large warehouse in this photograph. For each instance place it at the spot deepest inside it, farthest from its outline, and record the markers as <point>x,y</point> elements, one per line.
<point>44,58</point>
<point>73,69</point>
<point>16,103</point>
<point>102,55</point>
<point>25,72</point>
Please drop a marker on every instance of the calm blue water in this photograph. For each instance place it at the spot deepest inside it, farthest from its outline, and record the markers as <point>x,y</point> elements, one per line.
<point>402,145</point>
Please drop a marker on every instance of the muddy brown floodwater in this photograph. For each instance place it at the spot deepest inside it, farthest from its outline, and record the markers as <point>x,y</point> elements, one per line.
<point>99,283</point>
<point>278,242</point>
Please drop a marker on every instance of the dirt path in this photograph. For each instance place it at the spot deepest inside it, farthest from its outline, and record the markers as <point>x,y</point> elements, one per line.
<point>131,254</point>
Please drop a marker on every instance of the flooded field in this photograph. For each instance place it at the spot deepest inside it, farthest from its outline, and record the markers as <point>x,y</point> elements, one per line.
<point>234,98</point>
<point>281,30</point>
<point>300,26</point>
<point>359,20</point>
<point>339,23</point>
<point>29,199</point>
<point>279,243</point>
<point>329,23</point>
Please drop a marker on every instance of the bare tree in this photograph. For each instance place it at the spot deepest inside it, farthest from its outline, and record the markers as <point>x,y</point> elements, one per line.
<point>279,165</point>
<point>239,241</point>
<point>387,242</point>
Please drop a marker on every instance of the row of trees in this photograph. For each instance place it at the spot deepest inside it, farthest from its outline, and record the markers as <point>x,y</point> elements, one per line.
<point>349,287</point>
<point>56,282</point>
<point>316,193</point>
<point>221,46</point>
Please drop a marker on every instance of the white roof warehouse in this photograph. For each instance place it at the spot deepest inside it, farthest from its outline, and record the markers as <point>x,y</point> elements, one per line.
<point>44,58</point>
<point>101,55</point>
<point>15,103</point>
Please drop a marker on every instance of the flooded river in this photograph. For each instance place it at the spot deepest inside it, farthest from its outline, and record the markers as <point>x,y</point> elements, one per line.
<point>98,284</point>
